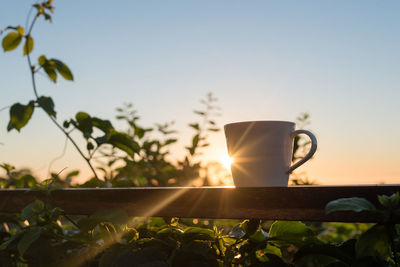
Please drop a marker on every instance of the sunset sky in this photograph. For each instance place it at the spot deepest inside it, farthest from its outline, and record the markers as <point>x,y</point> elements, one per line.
<point>264,60</point>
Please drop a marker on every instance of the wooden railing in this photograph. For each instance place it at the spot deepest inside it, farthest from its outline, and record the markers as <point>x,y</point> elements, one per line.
<point>305,203</point>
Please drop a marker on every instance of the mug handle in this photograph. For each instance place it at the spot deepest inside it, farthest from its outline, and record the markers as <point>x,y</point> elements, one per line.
<point>309,154</point>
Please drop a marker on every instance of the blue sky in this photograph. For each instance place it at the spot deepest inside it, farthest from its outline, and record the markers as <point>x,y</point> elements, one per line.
<point>264,60</point>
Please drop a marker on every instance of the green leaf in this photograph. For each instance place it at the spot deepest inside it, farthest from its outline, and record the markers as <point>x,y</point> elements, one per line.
<point>28,46</point>
<point>104,125</point>
<point>195,126</point>
<point>213,129</point>
<point>72,174</point>
<point>84,122</point>
<point>250,226</point>
<point>130,235</point>
<point>25,180</point>
<point>273,250</point>
<point>374,242</point>
<point>27,240</point>
<point>47,104</point>
<point>63,69</point>
<point>47,16</point>
<point>170,141</point>
<point>123,142</point>
<point>89,146</point>
<point>7,167</point>
<point>50,69</point>
<point>66,124</point>
<point>20,115</point>
<point>356,204</point>
<point>11,41</point>
<point>260,236</point>
<point>201,113</point>
<point>88,224</point>
<point>31,209</point>
<point>195,141</point>
<point>391,201</point>
<point>139,132</point>
<point>196,233</point>
<point>42,60</point>
<point>290,232</point>
<point>20,30</point>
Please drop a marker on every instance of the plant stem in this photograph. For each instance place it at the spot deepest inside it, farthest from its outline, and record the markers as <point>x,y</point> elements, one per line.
<point>51,118</point>
<point>72,221</point>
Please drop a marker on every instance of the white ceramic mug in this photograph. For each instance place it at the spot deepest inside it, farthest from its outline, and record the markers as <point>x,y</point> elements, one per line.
<point>262,152</point>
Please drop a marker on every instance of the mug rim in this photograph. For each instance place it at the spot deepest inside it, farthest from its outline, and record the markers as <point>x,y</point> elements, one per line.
<point>259,121</point>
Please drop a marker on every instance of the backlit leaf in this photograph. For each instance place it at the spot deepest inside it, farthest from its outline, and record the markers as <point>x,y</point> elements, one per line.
<point>11,41</point>
<point>124,142</point>
<point>194,126</point>
<point>50,68</point>
<point>42,60</point>
<point>25,180</point>
<point>47,16</point>
<point>20,115</point>
<point>20,30</point>
<point>201,113</point>
<point>213,129</point>
<point>47,104</point>
<point>63,70</point>
<point>28,46</point>
<point>195,140</point>
<point>291,232</point>
<point>104,125</point>
<point>170,141</point>
<point>84,123</point>
<point>196,233</point>
<point>72,174</point>
<point>250,226</point>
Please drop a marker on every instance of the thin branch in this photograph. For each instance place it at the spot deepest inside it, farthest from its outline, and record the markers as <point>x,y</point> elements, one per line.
<point>72,221</point>
<point>37,97</point>
<point>38,69</point>
<point>28,17</point>
<point>4,108</point>
<point>59,157</point>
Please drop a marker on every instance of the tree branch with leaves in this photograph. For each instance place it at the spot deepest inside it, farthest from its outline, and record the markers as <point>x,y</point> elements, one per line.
<point>20,114</point>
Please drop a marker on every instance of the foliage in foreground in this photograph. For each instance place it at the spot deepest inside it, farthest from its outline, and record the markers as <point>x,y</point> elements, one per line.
<point>42,235</point>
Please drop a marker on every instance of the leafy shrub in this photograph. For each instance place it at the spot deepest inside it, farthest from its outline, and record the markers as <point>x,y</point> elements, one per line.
<point>42,235</point>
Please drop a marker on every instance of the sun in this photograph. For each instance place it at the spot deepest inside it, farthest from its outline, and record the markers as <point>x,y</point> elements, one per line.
<point>226,161</point>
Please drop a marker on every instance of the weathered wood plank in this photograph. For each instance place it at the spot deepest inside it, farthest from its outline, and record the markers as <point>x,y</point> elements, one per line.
<point>304,203</point>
